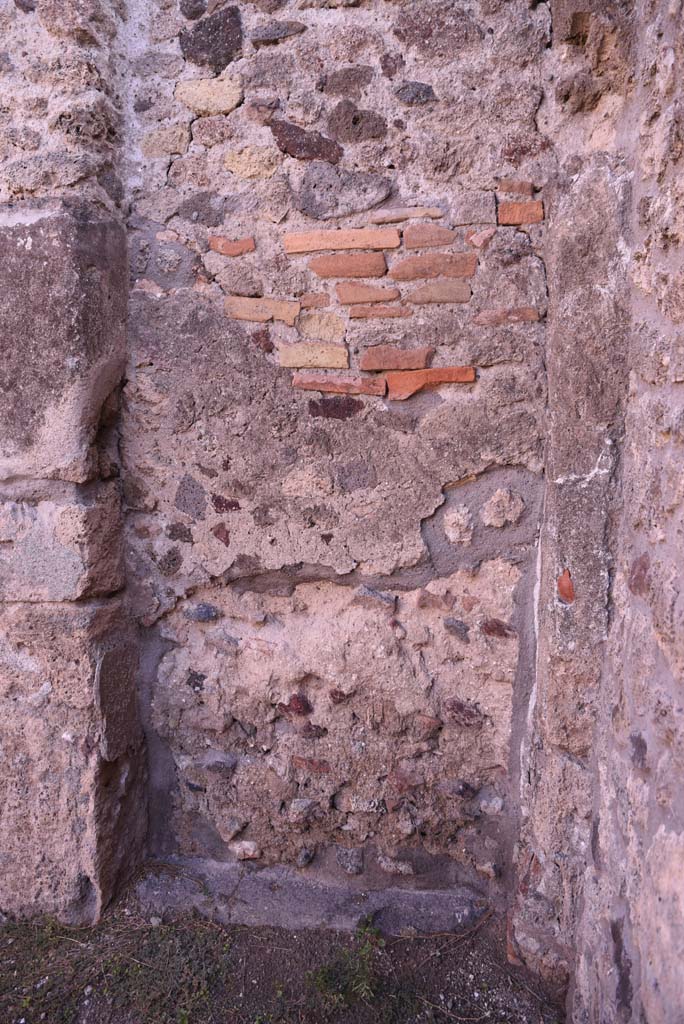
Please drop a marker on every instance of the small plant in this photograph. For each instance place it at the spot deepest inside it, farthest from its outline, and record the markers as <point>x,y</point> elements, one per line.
<point>354,974</point>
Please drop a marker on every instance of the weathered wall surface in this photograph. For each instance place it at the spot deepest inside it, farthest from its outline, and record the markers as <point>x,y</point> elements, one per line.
<point>334,563</point>
<point>72,801</point>
<point>382,530</point>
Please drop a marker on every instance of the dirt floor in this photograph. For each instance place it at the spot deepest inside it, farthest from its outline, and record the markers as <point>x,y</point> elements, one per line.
<point>134,969</point>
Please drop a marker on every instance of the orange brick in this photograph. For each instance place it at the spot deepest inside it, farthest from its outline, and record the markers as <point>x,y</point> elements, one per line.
<point>388,357</point>
<point>480,239</point>
<point>497,317</point>
<point>314,300</point>
<point>350,385</point>
<point>357,264</point>
<point>440,291</point>
<point>405,383</point>
<point>521,188</point>
<point>262,310</point>
<point>566,588</point>
<point>379,312</point>
<point>353,238</point>
<point>404,213</point>
<point>350,293</point>
<point>227,247</point>
<point>413,268</point>
<point>422,236</point>
<point>531,212</point>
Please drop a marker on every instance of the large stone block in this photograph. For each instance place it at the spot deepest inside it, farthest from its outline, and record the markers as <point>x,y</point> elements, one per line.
<point>72,808</point>
<point>62,313</point>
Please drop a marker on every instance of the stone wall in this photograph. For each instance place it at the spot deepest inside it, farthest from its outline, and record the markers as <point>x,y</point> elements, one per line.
<point>365,481</point>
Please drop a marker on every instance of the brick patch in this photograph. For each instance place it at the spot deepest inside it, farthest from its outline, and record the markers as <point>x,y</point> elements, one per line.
<point>403,384</point>
<point>413,268</point>
<point>521,188</point>
<point>351,385</point>
<point>351,294</point>
<point>521,213</point>
<point>422,236</point>
<point>315,355</point>
<point>262,310</point>
<point>404,213</point>
<point>388,357</point>
<point>440,291</point>
<point>359,238</point>
<point>228,247</point>
<point>379,312</point>
<point>361,264</point>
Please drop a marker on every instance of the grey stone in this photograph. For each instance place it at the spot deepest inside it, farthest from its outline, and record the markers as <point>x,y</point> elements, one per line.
<point>326,192</point>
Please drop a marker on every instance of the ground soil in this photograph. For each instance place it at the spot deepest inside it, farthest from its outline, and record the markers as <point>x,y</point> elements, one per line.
<point>133,969</point>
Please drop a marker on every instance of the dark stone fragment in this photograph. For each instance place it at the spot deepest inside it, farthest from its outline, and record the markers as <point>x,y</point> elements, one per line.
<point>191,498</point>
<point>195,681</point>
<point>203,613</point>
<point>463,713</point>
<point>314,732</point>
<point>194,788</point>
<point>639,580</point>
<point>339,696</point>
<point>437,29</point>
<point>327,192</point>
<point>181,532</point>
<point>335,408</point>
<point>221,533</point>
<point>203,208</point>
<point>416,94</point>
<point>275,31</point>
<point>26,5</point>
<point>305,857</point>
<point>304,145</point>
<point>639,750</point>
<point>298,704</point>
<point>170,562</point>
<point>391,63</point>
<point>142,103</point>
<point>356,476</point>
<point>346,81</point>
<point>262,339</point>
<point>192,9</point>
<point>457,629</point>
<point>350,124</point>
<point>215,41</point>
<point>350,860</point>
<point>497,628</point>
<point>223,504</point>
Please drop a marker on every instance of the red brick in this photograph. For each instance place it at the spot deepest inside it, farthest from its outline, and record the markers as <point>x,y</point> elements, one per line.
<point>357,264</point>
<point>422,236</point>
<point>521,188</point>
<point>440,291</point>
<point>261,310</point>
<point>480,239</point>
<point>351,238</point>
<point>350,293</point>
<point>351,385</point>
<point>404,213</point>
<point>228,247</point>
<point>315,765</point>
<point>403,384</point>
<point>388,357</point>
<point>566,588</point>
<point>314,300</point>
<point>531,212</point>
<point>413,268</point>
<point>379,312</point>
<point>497,317</point>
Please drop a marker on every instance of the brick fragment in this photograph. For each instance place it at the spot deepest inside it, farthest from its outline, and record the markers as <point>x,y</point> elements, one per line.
<point>566,588</point>
<point>531,212</point>
<point>350,294</point>
<point>422,236</point>
<point>404,383</point>
<point>354,238</point>
<point>314,300</point>
<point>440,291</point>
<point>262,310</point>
<point>497,317</point>
<point>480,239</point>
<point>361,264</point>
<point>230,247</point>
<point>335,384</point>
<point>379,312</point>
<point>521,188</point>
<point>321,326</point>
<point>388,357</point>
<point>314,355</point>
<point>413,268</point>
<point>314,765</point>
<point>404,213</point>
